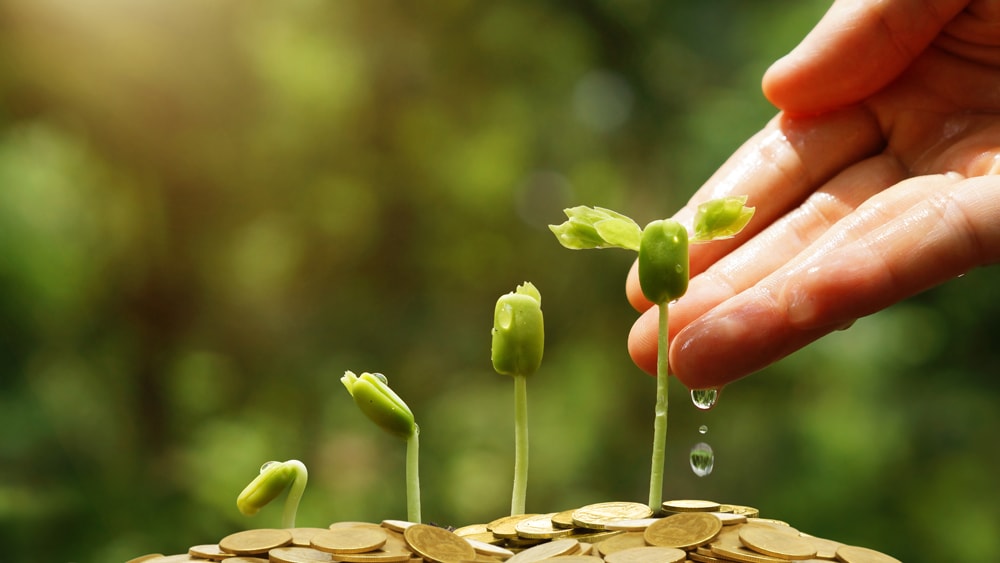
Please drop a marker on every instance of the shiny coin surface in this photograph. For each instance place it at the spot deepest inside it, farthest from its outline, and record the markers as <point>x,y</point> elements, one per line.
<point>686,505</point>
<point>377,556</point>
<point>683,530</point>
<point>397,525</point>
<point>298,555</point>
<point>580,559</point>
<point>647,554</point>
<point>251,542</point>
<point>557,548</point>
<point>564,519</point>
<point>825,549</point>
<point>489,549</point>
<point>302,536</point>
<point>852,554</point>
<point>621,542</point>
<point>506,527</point>
<point>730,518</point>
<point>349,540</point>
<point>776,543</point>
<point>540,527</point>
<point>636,525</point>
<point>437,544</point>
<point>210,551</point>
<point>743,554</point>
<point>597,516</point>
<point>471,530</point>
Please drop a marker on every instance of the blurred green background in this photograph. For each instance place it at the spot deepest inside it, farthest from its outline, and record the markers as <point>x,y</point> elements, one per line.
<point>210,210</point>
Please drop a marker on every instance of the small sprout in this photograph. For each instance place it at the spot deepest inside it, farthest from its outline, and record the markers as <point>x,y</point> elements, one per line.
<point>518,343</point>
<point>273,479</point>
<point>663,277</point>
<point>383,406</point>
<point>596,227</point>
<point>721,218</point>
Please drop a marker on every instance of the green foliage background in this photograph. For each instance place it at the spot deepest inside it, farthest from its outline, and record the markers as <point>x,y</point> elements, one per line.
<point>210,210</point>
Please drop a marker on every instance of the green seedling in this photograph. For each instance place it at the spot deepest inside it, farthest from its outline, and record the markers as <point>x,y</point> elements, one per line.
<point>383,406</point>
<point>274,478</point>
<point>518,342</point>
<point>663,277</point>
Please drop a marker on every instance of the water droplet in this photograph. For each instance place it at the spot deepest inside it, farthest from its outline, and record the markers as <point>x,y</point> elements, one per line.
<point>703,429</point>
<point>382,378</point>
<point>267,465</point>
<point>702,459</point>
<point>704,399</point>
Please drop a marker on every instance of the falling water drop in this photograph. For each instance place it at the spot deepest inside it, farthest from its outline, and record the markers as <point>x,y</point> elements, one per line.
<point>702,459</point>
<point>703,429</point>
<point>704,399</point>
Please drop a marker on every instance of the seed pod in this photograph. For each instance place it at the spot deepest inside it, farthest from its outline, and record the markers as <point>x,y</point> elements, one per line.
<point>721,218</point>
<point>518,331</point>
<point>273,479</point>
<point>379,403</point>
<point>663,261</point>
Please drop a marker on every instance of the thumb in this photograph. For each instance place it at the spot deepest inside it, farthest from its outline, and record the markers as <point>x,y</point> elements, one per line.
<point>858,48</point>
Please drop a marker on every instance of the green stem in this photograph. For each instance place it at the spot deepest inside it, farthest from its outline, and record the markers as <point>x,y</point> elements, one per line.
<point>520,445</point>
<point>413,476</point>
<point>294,494</point>
<point>660,419</point>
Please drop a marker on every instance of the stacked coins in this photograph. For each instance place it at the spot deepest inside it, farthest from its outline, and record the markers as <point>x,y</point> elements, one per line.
<point>610,532</point>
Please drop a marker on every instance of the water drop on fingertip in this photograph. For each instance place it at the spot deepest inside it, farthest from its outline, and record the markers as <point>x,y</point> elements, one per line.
<point>704,399</point>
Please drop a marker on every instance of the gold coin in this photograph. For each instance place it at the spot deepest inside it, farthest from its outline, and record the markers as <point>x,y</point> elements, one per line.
<point>209,551</point>
<point>743,555</point>
<point>825,549</point>
<point>748,511</point>
<point>596,516</point>
<point>564,519</point>
<point>178,558</point>
<point>636,525</point>
<point>246,559</point>
<point>557,548</point>
<point>701,558</point>
<point>251,542</point>
<point>853,554</point>
<point>730,518</point>
<point>539,527</point>
<point>377,556</point>
<point>144,558</point>
<point>621,542</point>
<point>298,555</point>
<point>302,536</point>
<point>397,525</point>
<point>776,543</point>
<point>489,549</point>
<point>485,537</point>
<point>593,536</point>
<point>690,506</point>
<point>349,540</point>
<point>506,527</point>
<point>647,554</point>
<point>437,544</point>
<point>471,530</point>
<point>684,529</point>
<point>580,559</point>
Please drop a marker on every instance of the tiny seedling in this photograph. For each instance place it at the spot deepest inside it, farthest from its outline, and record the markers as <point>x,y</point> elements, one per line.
<point>518,342</point>
<point>383,406</point>
<point>663,277</point>
<point>274,478</point>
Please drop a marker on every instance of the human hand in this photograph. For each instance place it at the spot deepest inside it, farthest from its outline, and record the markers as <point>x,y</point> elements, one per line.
<point>876,181</point>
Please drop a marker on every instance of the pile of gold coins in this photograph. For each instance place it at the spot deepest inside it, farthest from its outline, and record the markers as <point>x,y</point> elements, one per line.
<point>609,532</point>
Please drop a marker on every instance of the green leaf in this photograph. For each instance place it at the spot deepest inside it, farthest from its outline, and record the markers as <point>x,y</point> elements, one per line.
<point>721,218</point>
<point>596,227</point>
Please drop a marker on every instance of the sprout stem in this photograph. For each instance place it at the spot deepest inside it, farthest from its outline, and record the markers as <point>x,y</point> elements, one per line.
<point>294,493</point>
<point>520,445</point>
<point>660,418</point>
<point>413,476</point>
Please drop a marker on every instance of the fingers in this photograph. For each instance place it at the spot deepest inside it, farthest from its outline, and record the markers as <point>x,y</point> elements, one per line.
<point>768,251</point>
<point>858,47</point>
<point>777,169</point>
<point>918,234</point>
